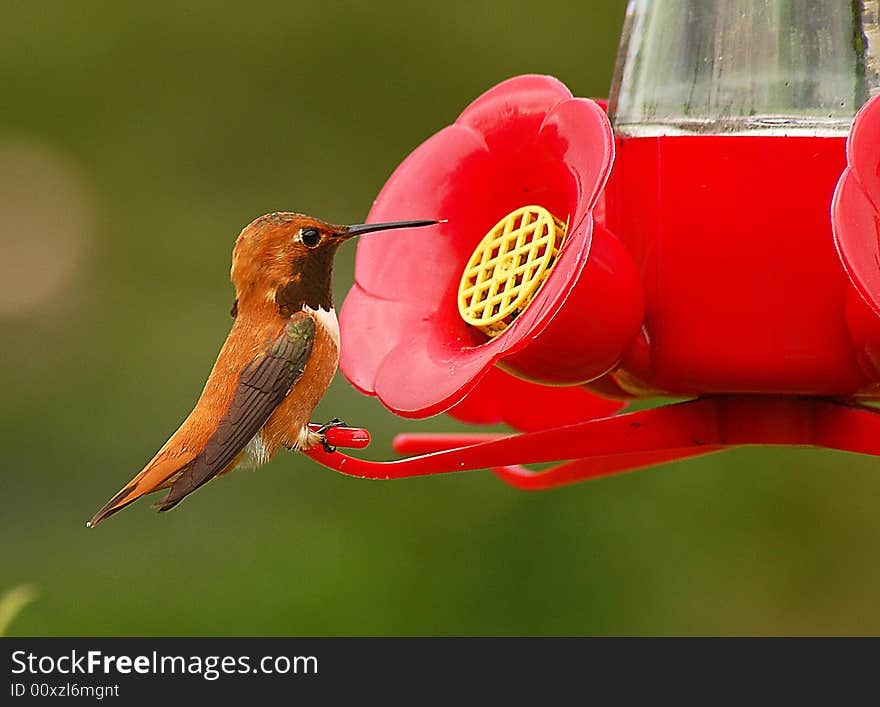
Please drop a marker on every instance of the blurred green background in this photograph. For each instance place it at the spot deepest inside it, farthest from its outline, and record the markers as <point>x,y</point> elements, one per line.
<point>136,140</point>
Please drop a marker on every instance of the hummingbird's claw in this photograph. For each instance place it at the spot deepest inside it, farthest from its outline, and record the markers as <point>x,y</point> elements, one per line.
<point>335,422</point>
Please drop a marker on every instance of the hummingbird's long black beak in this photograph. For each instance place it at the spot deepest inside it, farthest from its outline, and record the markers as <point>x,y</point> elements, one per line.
<point>362,228</point>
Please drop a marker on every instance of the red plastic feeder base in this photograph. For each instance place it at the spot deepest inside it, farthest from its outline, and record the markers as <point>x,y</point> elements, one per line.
<point>610,445</point>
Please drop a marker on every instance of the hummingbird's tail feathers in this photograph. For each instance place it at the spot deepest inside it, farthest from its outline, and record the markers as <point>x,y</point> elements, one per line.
<point>159,474</point>
<point>188,480</point>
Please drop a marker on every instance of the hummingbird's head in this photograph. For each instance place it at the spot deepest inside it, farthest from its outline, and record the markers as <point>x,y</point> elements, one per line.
<point>286,258</point>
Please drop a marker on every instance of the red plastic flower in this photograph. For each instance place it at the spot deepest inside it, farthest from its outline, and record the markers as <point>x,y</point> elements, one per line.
<point>855,211</point>
<point>525,141</point>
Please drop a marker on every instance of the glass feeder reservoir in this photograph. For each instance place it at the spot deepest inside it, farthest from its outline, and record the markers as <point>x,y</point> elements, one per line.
<point>730,119</point>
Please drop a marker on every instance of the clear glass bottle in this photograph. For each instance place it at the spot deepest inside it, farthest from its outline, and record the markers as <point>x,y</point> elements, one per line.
<point>736,66</point>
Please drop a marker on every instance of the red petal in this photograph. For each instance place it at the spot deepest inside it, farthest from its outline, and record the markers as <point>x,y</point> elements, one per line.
<point>415,382</point>
<point>441,179</point>
<point>578,133</point>
<point>518,104</point>
<point>857,236</point>
<point>371,328</point>
<point>854,210</point>
<point>863,149</point>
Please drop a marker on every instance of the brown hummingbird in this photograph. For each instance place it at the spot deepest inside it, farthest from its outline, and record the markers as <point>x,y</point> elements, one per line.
<point>276,363</point>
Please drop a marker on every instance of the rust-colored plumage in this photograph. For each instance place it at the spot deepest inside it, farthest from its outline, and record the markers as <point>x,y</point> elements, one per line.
<point>276,364</point>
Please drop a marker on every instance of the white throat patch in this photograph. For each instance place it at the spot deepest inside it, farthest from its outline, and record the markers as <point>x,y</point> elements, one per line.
<point>327,320</point>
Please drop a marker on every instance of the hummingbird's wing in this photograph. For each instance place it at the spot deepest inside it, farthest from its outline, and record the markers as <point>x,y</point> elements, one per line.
<point>262,384</point>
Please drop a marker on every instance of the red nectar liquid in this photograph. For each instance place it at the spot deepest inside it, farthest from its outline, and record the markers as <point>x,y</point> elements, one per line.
<point>744,290</point>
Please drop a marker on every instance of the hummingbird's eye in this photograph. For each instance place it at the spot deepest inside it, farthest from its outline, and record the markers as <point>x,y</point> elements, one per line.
<point>310,237</point>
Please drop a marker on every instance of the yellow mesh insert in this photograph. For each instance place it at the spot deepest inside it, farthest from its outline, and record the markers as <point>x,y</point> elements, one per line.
<point>508,268</point>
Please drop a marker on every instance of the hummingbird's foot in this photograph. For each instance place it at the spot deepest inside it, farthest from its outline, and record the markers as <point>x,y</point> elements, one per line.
<point>335,422</point>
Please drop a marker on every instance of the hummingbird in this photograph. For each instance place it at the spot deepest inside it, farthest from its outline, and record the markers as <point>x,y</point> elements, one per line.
<point>276,364</point>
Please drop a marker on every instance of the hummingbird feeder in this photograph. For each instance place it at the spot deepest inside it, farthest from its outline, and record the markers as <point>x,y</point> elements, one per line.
<point>712,236</point>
